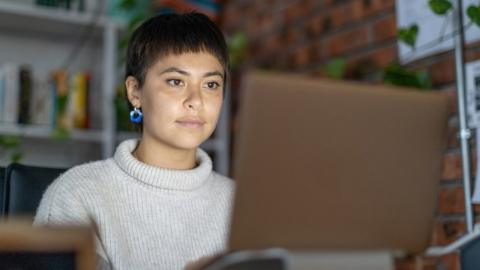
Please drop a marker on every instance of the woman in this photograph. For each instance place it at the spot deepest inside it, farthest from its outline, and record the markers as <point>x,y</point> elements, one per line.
<point>157,204</point>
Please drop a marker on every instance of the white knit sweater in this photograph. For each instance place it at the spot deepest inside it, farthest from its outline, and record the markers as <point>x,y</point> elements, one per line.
<point>147,217</point>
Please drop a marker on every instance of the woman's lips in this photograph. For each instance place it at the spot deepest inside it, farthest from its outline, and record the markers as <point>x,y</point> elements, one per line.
<point>192,123</point>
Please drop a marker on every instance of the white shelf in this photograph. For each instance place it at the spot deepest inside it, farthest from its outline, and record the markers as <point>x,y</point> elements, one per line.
<point>45,20</point>
<point>45,132</point>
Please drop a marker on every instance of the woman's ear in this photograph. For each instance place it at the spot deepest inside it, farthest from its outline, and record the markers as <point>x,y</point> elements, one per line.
<point>134,94</point>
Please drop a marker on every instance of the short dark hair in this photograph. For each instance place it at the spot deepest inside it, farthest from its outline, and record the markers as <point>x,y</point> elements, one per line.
<point>173,34</point>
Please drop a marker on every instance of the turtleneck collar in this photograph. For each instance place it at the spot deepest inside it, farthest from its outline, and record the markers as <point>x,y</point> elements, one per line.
<point>160,177</point>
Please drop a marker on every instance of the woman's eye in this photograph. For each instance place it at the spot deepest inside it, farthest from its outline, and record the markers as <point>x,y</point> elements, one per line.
<point>213,85</point>
<point>175,82</point>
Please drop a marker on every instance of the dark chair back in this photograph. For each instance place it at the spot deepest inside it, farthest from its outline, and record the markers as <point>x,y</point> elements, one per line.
<point>24,187</point>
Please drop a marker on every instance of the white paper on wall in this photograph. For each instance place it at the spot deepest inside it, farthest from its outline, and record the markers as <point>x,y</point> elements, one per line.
<point>431,28</point>
<point>472,83</point>
<point>476,192</point>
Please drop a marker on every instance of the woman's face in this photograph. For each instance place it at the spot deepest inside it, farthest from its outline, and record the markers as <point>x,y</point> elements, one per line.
<point>181,99</point>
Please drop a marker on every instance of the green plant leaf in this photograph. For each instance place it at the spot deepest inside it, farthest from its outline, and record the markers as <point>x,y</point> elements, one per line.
<point>440,7</point>
<point>408,35</point>
<point>62,103</point>
<point>398,75</point>
<point>16,157</point>
<point>8,142</point>
<point>237,47</point>
<point>60,133</point>
<point>11,144</point>
<point>127,4</point>
<point>473,12</point>
<point>336,68</point>
<point>423,79</point>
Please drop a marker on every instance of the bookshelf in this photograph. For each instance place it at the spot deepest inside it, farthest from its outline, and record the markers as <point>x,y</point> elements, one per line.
<point>43,38</point>
<point>34,19</point>
<point>24,29</point>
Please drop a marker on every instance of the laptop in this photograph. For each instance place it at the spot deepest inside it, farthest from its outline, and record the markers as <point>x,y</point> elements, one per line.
<point>333,165</point>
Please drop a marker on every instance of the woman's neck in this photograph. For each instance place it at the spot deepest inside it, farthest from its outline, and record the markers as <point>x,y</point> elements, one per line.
<point>153,153</point>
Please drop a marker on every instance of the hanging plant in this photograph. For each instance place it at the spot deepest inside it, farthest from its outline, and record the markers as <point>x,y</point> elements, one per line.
<point>10,145</point>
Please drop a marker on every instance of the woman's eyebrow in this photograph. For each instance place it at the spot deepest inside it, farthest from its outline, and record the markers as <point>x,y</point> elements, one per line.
<point>213,73</point>
<point>174,69</point>
<point>183,72</point>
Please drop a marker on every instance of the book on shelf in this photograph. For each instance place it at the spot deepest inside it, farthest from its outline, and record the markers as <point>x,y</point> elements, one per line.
<point>16,94</point>
<point>42,106</point>
<point>71,99</point>
<point>61,101</point>
<point>25,94</point>
<point>11,92</point>
<point>78,100</point>
<point>59,83</point>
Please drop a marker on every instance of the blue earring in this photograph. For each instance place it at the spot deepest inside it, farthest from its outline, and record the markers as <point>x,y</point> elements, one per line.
<point>136,115</point>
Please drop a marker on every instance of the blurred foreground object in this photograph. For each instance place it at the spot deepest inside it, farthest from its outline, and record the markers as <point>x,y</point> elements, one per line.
<point>25,247</point>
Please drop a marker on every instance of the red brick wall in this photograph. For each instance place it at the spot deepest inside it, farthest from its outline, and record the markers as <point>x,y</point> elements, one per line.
<point>304,35</point>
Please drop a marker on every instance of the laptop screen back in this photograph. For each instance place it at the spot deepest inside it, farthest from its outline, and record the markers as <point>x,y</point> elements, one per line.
<point>336,165</point>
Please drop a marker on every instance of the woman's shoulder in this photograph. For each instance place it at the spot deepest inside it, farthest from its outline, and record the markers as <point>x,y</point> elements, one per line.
<point>65,199</point>
<point>223,182</point>
<point>222,190</point>
<point>222,178</point>
<point>85,174</point>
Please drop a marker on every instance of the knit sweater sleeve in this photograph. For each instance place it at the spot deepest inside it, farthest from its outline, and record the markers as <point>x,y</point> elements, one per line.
<point>60,206</point>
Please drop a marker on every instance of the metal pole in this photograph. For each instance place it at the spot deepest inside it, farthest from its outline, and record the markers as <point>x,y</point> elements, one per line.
<point>465,133</point>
